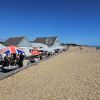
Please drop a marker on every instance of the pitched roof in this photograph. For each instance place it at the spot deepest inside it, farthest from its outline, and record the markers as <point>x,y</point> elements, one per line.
<point>45,40</point>
<point>13,41</point>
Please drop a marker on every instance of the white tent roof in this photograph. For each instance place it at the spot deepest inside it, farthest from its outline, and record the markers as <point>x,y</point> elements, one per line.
<point>38,45</point>
<point>47,49</point>
<point>26,50</point>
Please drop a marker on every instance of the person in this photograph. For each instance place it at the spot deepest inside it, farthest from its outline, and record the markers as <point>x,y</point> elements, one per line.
<point>6,62</point>
<point>21,59</point>
<point>1,59</point>
<point>17,59</point>
<point>11,60</point>
<point>31,60</point>
<point>14,56</point>
<point>40,57</point>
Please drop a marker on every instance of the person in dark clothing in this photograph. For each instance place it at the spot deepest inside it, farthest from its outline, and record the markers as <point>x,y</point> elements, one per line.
<point>12,60</point>
<point>31,60</point>
<point>6,62</point>
<point>14,56</point>
<point>21,59</point>
<point>40,57</point>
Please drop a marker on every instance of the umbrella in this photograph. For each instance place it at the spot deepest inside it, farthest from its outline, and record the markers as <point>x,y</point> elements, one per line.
<point>11,50</point>
<point>36,52</point>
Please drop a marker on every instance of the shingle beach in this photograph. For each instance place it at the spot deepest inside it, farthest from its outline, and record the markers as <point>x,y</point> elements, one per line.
<point>67,76</point>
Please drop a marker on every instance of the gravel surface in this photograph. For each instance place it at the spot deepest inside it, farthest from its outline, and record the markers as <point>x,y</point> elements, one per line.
<point>68,76</point>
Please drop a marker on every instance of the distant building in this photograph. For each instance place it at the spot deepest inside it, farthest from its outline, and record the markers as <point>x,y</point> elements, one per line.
<point>44,42</point>
<point>18,41</point>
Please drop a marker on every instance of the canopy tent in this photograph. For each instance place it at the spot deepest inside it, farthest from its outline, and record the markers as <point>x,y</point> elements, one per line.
<point>11,50</point>
<point>52,49</point>
<point>36,52</point>
<point>27,50</point>
<point>58,47</point>
<point>47,49</point>
<point>44,49</point>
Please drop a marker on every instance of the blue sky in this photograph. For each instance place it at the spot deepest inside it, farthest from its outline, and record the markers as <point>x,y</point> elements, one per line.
<point>73,21</point>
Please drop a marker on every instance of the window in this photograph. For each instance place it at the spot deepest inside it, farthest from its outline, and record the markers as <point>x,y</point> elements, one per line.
<point>48,41</point>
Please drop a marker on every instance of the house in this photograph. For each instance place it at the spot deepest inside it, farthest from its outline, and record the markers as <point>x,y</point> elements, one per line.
<point>18,41</point>
<point>45,42</point>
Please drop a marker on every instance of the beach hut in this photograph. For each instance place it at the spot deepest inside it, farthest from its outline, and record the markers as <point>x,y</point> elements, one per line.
<point>48,41</point>
<point>18,41</point>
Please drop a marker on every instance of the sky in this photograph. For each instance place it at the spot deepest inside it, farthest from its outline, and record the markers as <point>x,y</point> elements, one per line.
<point>73,21</point>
